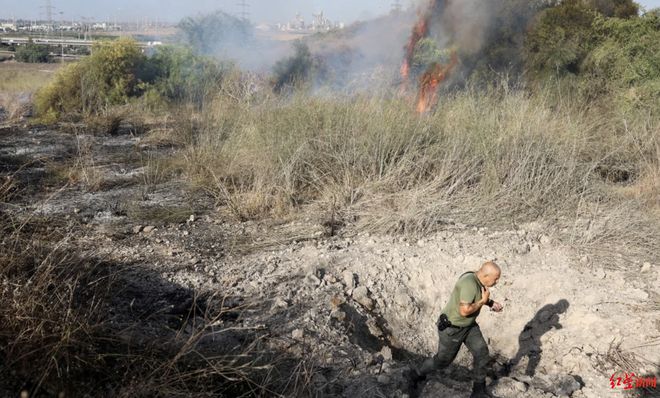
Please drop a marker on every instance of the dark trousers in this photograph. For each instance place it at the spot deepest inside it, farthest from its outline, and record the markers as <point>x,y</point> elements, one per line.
<point>449,342</point>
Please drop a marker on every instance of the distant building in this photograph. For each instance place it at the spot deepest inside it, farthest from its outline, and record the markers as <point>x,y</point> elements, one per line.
<point>8,27</point>
<point>319,24</point>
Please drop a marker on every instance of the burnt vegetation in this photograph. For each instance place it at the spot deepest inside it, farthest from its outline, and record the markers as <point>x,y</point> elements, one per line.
<point>554,117</point>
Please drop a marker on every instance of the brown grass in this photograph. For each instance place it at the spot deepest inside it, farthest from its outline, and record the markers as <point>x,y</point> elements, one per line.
<point>17,77</point>
<point>18,81</point>
<point>498,157</point>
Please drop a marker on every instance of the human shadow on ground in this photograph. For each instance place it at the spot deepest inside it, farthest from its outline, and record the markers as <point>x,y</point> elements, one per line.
<point>361,326</point>
<point>529,341</point>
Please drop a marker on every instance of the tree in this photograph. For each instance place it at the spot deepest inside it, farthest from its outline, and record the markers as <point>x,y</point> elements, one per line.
<point>214,33</point>
<point>110,76</point>
<point>32,53</point>
<point>297,69</point>
<point>561,38</point>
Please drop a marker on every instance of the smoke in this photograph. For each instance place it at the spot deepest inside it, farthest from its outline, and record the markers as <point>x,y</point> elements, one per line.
<point>368,55</point>
<point>469,22</point>
<point>365,55</point>
<point>226,37</point>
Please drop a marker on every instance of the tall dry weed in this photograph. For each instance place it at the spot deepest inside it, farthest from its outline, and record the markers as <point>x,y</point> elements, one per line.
<point>497,156</point>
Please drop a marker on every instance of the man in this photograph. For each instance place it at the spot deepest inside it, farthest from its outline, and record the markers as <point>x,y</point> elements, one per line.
<point>457,325</point>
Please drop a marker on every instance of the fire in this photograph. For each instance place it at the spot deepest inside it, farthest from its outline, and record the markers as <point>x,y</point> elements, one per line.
<point>436,73</point>
<point>420,31</point>
<point>430,81</point>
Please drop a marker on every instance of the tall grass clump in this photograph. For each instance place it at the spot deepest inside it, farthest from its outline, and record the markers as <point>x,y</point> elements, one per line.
<point>498,155</point>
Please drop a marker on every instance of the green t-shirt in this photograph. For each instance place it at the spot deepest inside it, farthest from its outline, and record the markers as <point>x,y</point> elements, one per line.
<point>467,290</point>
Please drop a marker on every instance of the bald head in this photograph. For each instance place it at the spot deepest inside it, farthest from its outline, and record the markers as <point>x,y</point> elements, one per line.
<point>489,273</point>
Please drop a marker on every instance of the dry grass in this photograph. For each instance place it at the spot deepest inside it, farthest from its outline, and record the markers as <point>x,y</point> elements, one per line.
<point>497,156</point>
<point>17,77</point>
<point>17,83</point>
<point>73,323</point>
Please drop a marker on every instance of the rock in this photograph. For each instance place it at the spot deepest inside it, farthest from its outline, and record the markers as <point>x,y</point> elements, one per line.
<point>279,302</point>
<point>149,229</point>
<point>191,219</point>
<point>137,229</point>
<point>402,299</point>
<point>297,334</point>
<point>386,352</point>
<point>559,385</point>
<point>336,301</point>
<point>383,379</point>
<point>312,280</point>
<point>338,315</point>
<point>373,327</point>
<point>545,239</point>
<point>349,279</point>
<point>509,387</point>
<point>329,278</point>
<point>361,295</point>
<point>523,248</point>
<point>646,267</point>
<point>584,260</point>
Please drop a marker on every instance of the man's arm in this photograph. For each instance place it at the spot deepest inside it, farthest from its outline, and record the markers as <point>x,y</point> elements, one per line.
<point>467,309</point>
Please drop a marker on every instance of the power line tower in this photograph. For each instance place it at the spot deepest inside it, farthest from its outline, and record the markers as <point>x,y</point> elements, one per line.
<point>396,6</point>
<point>244,10</point>
<point>48,8</point>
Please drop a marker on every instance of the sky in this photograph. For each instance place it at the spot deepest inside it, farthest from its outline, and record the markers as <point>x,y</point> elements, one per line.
<point>173,10</point>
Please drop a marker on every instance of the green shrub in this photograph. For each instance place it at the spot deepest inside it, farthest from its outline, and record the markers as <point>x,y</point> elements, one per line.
<point>626,63</point>
<point>605,58</point>
<point>113,74</point>
<point>183,76</point>
<point>32,53</point>
<point>561,39</point>
<point>296,70</point>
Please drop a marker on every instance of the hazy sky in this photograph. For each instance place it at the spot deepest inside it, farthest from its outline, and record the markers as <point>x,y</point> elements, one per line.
<point>173,10</point>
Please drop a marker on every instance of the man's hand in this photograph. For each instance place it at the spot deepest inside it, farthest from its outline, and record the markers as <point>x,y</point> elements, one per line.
<point>497,307</point>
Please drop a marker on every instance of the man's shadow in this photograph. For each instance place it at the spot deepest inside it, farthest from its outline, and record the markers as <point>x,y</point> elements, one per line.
<point>529,341</point>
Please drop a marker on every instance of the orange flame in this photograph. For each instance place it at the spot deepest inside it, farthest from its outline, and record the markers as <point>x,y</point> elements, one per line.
<point>420,31</point>
<point>436,73</point>
<point>430,81</point>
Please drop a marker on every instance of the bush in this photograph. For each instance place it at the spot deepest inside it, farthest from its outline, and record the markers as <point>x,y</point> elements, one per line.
<point>607,57</point>
<point>110,76</point>
<point>32,53</point>
<point>564,35</point>
<point>561,39</point>
<point>183,76</point>
<point>296,70</point>
<point>627,60</point>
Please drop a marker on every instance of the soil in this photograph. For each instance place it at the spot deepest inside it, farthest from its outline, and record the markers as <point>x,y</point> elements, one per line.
<point>363,306</point>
